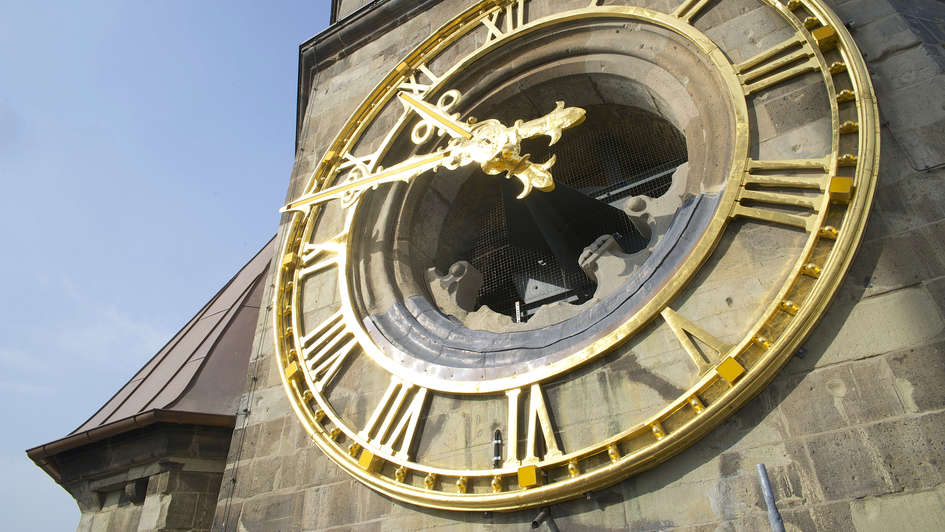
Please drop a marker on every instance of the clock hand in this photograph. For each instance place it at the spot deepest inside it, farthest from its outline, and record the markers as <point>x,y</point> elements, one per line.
<point>453,127</point>
<point>532,175</point>
<point>402,171</point>
<point>552,123</point>
<point>494,146</point>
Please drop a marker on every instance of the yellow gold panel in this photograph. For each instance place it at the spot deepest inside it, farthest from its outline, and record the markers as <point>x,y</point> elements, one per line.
<point>730,370</point>
<point>292,372</point>
<point>841,189</point>
<point>826,38</point>
<point>528,476</point>
<point>369,462</point>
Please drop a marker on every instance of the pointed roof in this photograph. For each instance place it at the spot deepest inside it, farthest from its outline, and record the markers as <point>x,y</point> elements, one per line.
<point>197,377</point>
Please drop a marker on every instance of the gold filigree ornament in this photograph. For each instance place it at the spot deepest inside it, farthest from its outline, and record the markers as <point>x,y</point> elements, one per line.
<point>380,408</point>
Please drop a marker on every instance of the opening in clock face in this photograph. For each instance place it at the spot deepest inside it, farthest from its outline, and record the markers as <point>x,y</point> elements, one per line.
<point>481,285</point>
<point>519,256</point>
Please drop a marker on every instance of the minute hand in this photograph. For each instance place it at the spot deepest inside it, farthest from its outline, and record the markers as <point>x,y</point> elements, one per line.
<point>453,127</point>
<point>403,171</point>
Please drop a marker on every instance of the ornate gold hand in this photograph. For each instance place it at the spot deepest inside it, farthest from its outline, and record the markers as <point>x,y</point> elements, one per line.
<point>359,180</point>
<point>449,124</point>
<point>552,123</point>
<point>492,145</point>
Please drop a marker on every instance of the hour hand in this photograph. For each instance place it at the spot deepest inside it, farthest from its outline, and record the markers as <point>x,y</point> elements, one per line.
<point>360,180</point>
<point>552,124</point>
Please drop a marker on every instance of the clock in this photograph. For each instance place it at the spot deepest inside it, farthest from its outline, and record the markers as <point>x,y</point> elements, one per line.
<point>562,241</point>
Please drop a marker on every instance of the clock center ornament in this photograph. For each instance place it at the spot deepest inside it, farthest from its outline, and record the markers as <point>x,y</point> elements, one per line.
<point>604,309</point>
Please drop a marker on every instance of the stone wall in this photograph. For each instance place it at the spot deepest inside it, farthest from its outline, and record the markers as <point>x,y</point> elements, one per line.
<point>160,477</point>
<point>852,431</point>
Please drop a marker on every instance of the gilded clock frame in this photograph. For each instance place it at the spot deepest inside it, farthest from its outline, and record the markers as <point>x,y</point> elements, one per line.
<point>741,372</point>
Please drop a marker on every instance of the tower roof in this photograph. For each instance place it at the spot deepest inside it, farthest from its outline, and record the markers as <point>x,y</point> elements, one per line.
<point>196,378</point>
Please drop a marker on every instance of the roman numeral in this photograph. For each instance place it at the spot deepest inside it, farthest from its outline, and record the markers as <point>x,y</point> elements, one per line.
<point>325,349</point>
<point>513,20</point>
<point>537,416</point>
<point>689,9</point>
<point>756,202</point>
<point>416,83</point>
<point>686,330</point>
<point>775,65</point>
<point>392,421</point>
<point>327,254</point>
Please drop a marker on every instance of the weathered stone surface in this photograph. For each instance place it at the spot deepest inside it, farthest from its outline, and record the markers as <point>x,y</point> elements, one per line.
<point>919,374</point>
<point>908,452</point>
<point>874,326</point>
<point>907,511</point>
<point>846,466</point>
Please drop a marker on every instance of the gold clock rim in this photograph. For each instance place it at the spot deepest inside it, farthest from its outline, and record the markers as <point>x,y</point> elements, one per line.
<point>757,378</point>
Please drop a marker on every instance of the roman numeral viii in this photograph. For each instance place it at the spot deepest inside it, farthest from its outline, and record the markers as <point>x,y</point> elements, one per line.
<point>395,419</point>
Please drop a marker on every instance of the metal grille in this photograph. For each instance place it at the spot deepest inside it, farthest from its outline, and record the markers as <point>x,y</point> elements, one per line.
<point>618,152</point>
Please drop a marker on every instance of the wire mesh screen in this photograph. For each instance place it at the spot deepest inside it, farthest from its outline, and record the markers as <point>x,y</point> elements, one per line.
<point>527,249</point>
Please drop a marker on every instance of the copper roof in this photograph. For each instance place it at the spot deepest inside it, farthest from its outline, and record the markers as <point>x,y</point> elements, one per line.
<point>197,377</point>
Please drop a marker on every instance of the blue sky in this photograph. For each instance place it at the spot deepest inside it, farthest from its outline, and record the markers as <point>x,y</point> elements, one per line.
<point>145,148</point>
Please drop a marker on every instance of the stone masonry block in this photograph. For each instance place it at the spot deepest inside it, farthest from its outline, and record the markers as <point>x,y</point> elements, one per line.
<point>908,451</point>
<point>815,402</point>
<point>838,396</point>
<point>883,37</point>
<point>911,203</point>
<point>799,519</point>
<point>924,144</point>
<point>932,237</point>
<point>267,511</point>
<point>245,446</point>
<point>874,325</point>
<point>203,513</point>
<point>196,482</point>
<point>937,289</point>
<point>226,516</point>
<point>181,509</point>
<point>906,68</point>
<point>917,105</point>
<point>832,516</point>
<point>583,514</point>
<point>270,437</point>
<point>862,12</point>
<point>329,505</point>
<point>919,374</point>
<point>846,466</point>
<point>264,473</point>
<point>907,511</point>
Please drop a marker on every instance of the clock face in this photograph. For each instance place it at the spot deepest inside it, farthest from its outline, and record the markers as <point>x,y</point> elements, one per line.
<point>554,247</point>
